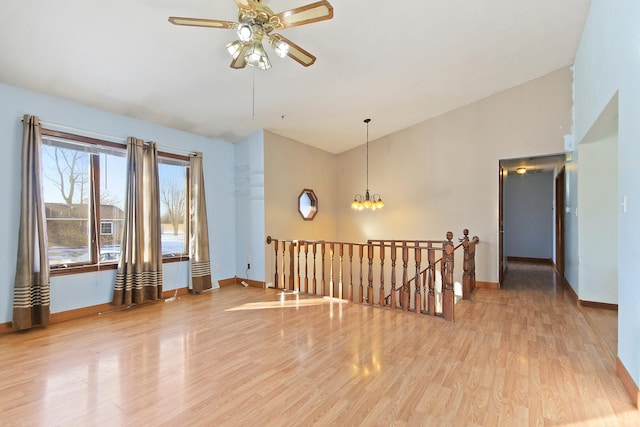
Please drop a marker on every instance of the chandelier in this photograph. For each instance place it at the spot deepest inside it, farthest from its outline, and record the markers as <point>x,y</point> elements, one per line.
<point>369,201</point>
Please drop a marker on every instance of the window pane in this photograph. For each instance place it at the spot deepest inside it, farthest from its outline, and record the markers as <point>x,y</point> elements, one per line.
<point>173,205</point>
<point>106,228</point>
<point>113,175</point>
<point>66,197</point>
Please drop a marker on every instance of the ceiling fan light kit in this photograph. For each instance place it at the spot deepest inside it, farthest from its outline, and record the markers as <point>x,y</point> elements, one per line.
<point>257,22</point>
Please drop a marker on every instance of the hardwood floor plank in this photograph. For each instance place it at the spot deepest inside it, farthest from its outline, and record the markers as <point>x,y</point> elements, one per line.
<point>522,355</point>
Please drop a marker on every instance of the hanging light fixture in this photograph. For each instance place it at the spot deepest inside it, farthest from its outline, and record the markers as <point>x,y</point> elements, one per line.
<point>369,201</point>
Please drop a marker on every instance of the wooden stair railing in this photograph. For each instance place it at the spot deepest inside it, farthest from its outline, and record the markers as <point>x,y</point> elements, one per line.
<point>417,291</point>
<point>428,274</point>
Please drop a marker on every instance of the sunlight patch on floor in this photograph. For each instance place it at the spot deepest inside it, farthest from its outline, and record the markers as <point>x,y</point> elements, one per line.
<point>287,300</point>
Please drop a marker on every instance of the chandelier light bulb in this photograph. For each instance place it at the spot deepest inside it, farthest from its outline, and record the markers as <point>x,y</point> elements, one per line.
<point>245,32</point>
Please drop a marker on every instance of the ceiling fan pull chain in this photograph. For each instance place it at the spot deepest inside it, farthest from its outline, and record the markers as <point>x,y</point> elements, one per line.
<point>253,93</point>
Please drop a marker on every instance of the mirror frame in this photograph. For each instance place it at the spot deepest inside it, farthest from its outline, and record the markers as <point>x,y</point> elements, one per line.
<point>312,202</point>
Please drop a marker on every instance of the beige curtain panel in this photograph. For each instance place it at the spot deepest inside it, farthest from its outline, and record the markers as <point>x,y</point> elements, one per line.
<point>31,287</point>
<point>198,229</point>
<point>139,276</point>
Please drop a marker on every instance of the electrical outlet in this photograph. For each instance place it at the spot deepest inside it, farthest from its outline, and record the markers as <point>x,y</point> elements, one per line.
<point>248,266</point>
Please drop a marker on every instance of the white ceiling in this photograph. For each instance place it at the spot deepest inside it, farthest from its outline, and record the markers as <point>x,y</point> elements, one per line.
<point>397,62</point>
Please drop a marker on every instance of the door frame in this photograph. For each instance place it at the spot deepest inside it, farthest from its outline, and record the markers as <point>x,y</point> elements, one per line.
<point>560,183</point>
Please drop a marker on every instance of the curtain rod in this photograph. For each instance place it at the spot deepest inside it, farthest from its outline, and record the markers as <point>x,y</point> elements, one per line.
<point>113,138</point>
<point>85,132</point>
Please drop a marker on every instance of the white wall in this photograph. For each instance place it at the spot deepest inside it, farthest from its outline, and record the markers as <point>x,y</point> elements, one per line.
<point>249,207</point>
<point>598,220</point>
<point>291,167</point>
<point>608,61</point>
<point>529,215</point>
<point>442,174</point>
<point>71,292</point>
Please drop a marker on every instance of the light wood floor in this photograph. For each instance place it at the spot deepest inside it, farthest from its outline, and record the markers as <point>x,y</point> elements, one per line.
<point>605,324</point>
<point>519,356</point>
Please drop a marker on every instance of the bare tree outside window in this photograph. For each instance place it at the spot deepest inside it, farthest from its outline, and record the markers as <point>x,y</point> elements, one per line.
<point>172,196</point>
<point>69,172</point>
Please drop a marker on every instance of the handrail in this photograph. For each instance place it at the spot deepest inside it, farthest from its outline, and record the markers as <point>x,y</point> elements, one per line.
<point>333,273</point>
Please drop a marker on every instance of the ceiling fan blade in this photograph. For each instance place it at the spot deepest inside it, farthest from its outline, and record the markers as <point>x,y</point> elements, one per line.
<point>240,61</point>
<point>296,53</point>
<point>314,12</point>
<point>198,22</point>
<point>246,4</point>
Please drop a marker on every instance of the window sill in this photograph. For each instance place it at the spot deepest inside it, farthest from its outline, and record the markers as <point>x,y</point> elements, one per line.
<point>77,269</point>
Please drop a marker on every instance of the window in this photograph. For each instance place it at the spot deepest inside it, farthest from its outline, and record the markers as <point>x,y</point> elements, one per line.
<point>84,181</point>
<point>106,228</point>
<point>173,175</point>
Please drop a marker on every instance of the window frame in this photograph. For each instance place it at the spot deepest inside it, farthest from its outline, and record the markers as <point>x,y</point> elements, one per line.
<point>94,218</point>
<point>110,224</point>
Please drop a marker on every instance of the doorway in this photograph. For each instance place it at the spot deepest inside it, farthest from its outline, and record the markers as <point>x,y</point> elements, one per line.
<point>531,211</point>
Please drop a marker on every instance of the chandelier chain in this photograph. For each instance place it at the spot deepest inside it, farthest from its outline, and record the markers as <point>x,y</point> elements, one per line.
<point>367,163</point>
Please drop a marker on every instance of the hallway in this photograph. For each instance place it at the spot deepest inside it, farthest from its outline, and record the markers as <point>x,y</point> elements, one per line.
<point>527,276</point>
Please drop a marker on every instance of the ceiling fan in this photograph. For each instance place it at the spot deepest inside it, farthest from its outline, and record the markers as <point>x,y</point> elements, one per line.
<point>257,22</point>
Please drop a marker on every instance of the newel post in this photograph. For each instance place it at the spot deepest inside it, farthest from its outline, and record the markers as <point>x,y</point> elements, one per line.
<point>275,247</point>
<point>466,267</point>
<point>472,260</point>
<point>447,263</point>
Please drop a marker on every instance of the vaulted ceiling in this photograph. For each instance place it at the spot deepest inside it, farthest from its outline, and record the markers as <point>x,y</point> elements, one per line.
<point>399,63</point>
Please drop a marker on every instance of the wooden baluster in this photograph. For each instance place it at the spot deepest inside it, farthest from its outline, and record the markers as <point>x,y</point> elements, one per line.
<point>306,267</point>
<point>296,248</point>
<point>472,260</point>
<point>275,279</point>
<point>431,255</point>
<point>331,270</point>
<point>405,279</point>
<point>448,295</point>
<point>350,291</point>
<point>418,259</point>
<point>284,277</point>
<point>425,292</point>
<point>393,274</point>
<point>382,250</point>
<point>315,279</point>
<point>340,255</point>
<point>466,267</point>
<point>361,290</point>
<point>292,265</point>
<point>322,270</point>
<point>370,275</point>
